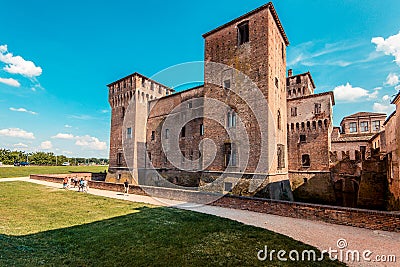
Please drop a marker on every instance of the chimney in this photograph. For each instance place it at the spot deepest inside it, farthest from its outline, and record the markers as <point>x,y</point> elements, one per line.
<point>290,73</point>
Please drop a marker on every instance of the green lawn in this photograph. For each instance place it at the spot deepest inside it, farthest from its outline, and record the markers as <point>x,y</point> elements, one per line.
<point>9,172</point>
<point>54,227</point>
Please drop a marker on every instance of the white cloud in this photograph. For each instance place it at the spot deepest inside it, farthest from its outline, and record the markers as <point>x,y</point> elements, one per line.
<point>386,98</point>
<point>67,126</point>
<point>104,111</point>
<point>90,142</point>
<point>67,152</point>
<point>63,136</point>
<point>390,46</point>
<point>46,145</point>
<point>351,94</point>
<point>16,132</point>
<point>10,81</point>
<point>81,117</point>
<point>17,64</point>
<point>22,145</point>
<point>23,110</point>
<point>397,88</point>
<point>384,108</point>
<point>392,79</point>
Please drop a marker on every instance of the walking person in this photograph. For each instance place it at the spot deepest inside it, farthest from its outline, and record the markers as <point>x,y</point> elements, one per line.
<point>65,183</point>
<point>126,187</point>
<point>80,185</point>
<point>85,187</point>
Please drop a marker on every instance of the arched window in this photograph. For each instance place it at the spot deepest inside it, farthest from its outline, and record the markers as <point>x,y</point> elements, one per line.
<point>231,119</point>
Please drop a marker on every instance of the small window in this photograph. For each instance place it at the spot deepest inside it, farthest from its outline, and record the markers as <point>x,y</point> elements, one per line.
<point>122,112</point>
<point>119,176</point>
<point>317,108</point>
<point>281,156</point>
<point>190,105</point>
<point>129,133</point>
<point>279,120</point>
<point>353,127</point>
<point>166,133</point>
<point>231,119</point>
<point>293,111</point>
<point>363,150</point>
<point>376,126</point>
<point>283,51</point>
<point>276,82</point>
<point>305,160</point>
<point>159,89</point>
<point>201,129</point>
<point>228,186</point>
<point>364,126</point>
<point>143,83</point>
<point>183,131</point>
<point>227,84</point>
<point>303,138</point>
<point>165,159</point>
<point>153,135</point>
<point>119,158</point>
<point>243,33</point>
<point>152,86</point>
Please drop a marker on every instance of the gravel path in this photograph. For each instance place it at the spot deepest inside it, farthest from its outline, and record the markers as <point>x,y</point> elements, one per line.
<point>319,234</point>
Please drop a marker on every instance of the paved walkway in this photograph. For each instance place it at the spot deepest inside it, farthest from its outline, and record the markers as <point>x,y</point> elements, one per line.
<point>318,234</point>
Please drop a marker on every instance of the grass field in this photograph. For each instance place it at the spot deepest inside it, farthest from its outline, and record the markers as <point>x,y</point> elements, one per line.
<point>54,227</point>
<point>9,172</point>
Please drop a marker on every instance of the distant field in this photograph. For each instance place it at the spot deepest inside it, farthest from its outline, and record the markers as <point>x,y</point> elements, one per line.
<point>9,172</point>
<point>42,226</point>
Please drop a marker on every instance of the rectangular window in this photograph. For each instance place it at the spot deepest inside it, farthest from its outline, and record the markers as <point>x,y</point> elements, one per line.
<point>243,33</point>
<point>201,129</point>
<point>190,105</point>
<point>281,156</point>
<point>227,84</point>
<point>152,86</point>
<point>276,82</point>
<point>228,186</point>
<point>159,89</point>
<point>143,83</point>
<point>376,126</point>
<point>183,132</point>
<point>363,150</point>
<point>364,126</point>
<point>303,138</point>
<point>317,109</point>
<point>119,158</point>
<point>129,133</point>
<point>305,161</point>
<point>231,119</point>
<point>227,153</point>
<point>294,111</point>
<point>166,133</point>
<point>153,135</point>
<point>353,127</point>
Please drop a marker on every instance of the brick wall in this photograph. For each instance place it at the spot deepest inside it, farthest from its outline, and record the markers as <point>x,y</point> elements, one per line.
<point>375,220</point>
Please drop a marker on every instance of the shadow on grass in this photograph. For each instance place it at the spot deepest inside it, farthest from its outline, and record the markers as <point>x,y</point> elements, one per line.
<point>150,237</point>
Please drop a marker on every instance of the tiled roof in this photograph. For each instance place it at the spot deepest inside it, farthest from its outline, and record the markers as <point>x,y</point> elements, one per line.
<point>353,138</point>
<point>365,114</point>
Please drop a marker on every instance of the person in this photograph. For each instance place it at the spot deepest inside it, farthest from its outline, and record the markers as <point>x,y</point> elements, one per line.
<point>69,182</point>
<point>126,187</point>
<point>85,186</point>
<point>80,185</point>
<point>65,182</point>
<point>75,181</point>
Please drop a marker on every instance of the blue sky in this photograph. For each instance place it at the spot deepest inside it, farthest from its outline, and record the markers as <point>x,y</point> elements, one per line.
<point>57,57</point>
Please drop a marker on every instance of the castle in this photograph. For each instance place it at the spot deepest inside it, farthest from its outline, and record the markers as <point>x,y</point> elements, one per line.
<point>270,133</point>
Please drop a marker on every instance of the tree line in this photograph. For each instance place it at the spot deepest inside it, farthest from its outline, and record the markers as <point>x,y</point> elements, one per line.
<point>8,157</point>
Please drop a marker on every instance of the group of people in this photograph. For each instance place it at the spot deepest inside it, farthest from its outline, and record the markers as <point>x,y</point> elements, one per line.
<point>82,184</point>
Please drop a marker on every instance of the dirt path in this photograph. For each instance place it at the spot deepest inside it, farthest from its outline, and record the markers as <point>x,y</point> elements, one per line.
<point>319,234</point>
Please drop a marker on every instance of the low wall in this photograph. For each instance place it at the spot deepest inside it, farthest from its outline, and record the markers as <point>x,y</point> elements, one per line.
<point>370,219</point>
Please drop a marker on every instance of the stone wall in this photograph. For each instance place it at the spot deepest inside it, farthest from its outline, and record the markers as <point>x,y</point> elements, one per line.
<point>375,220</point>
